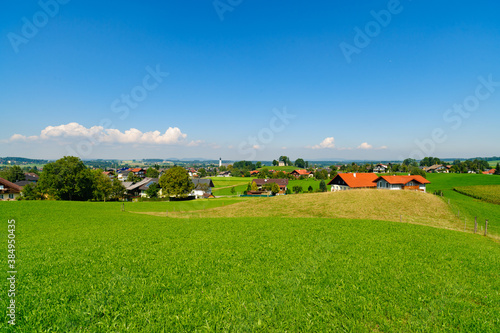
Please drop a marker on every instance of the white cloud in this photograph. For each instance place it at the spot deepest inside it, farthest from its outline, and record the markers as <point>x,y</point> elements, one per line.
<point>365,145</point>
<point>326,143</point>
<point>172,135</point>
<point>195,143</point>
<point>383,147</point>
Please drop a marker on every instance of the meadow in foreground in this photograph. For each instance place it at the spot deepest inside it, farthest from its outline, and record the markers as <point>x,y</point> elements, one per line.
<point>88,267</point>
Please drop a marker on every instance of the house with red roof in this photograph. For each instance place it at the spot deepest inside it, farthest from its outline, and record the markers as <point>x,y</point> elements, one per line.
<point>301,172</point>
<point>489,172</point>
<point>349,181</point>
<point>8,190</point>
<point>416,183</point>
<point>138,172</point>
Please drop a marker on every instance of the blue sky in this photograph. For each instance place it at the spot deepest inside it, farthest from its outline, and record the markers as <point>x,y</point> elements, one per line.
<point>250,79</point>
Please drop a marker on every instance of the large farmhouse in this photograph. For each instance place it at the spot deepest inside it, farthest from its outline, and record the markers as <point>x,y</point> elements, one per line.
<point>8,190</point>
<point>347,181</point>
<point>282,183</point>
<point>402,183</point>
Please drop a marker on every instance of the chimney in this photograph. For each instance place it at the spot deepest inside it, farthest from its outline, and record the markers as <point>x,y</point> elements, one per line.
<point>354,175</point>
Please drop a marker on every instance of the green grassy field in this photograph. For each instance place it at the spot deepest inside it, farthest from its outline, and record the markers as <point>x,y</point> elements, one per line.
<point>465,206</point>
<point>281,168</point>
<point>493,163</point>
<point>229,181</point>
<point>176,206</point>
<point>305,183</point>
<point>223,185</point>
<point>447,181</point>
<point>88,267</point>
<point>488,193</point>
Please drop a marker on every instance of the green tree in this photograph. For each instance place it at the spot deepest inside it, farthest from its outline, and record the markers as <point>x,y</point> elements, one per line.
<point>263,173</point>
<point>132,177</point>
<point>254,187</point>
<point>152,173</point>
<point>117,189</point>
<point>418,172</point>
<point>31,192</point>
<point>15,174</point>
<point>285,159</point>
<point>102,185</point>
<point>275,188</point>
<point>321,174</point>
<point>310,189</point>
<point>410,162</point>
<point>322,186</point>
<point>297,189</point>
<point>233,190</point>
<point>67,179</point>
<point>176,182</point>
<point>152,191</point>
<point>497,169</point>
<point>202,172</point>
<point>275,163</point>
<point>299,163</point>
<point>258,165</point>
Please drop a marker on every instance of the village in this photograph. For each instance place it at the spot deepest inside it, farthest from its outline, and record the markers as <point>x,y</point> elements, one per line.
<point>141,183</point>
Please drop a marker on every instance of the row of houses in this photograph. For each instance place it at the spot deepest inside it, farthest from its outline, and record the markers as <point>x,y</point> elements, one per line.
<point>202,188</point>
<point>348,181</point>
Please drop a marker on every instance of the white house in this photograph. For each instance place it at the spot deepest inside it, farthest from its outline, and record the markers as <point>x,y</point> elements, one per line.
<point>380,168</point>
<point>416,183</point>
<point>202,187</point>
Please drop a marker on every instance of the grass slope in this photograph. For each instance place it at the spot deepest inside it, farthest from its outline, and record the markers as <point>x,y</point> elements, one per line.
<point>415,207</point>
<point>88,267</point>
<point>467,207</point>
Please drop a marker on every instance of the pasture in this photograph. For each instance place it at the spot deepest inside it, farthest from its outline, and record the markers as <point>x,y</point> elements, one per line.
<point>89,267</point>
<point>493,163</point>
<point>466,207</point>
<point>223,185</point>
<point>488,193</point>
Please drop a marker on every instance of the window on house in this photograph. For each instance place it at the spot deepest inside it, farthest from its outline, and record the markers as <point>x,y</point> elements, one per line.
<point>1,196</point>
<point>11,196</point>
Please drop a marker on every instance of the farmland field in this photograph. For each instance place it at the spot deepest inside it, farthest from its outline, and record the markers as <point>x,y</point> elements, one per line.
<point>89,267</point>
<point>281,168</point>
<point>229,181</point>
<point>466,207</point>
<point>305,183</point>
<point>488,193</point>
<point>493,163</point>
<point>223,185</point>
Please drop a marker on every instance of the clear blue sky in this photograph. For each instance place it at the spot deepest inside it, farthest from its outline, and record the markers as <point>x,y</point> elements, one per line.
<point>233,68</point>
